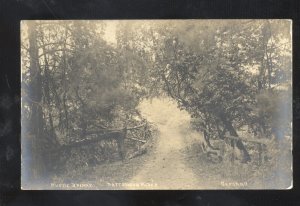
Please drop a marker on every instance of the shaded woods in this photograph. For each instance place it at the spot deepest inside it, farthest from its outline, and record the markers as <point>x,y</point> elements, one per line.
<point>82,82</point>
<point>75,92</point>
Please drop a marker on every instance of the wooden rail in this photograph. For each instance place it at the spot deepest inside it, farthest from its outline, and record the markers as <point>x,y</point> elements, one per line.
<point>255,141</point>
<point>114,130</point>
<point>261,145</point>
<point>119,134</point>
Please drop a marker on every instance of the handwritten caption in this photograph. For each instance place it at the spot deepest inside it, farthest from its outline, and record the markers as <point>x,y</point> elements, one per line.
<point>234,184</point>
<point>71,185</point>
<point>139,184</point>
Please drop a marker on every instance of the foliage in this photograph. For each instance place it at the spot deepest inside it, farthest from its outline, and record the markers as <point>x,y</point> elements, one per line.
<point>229,75</point>
<point>225,73</point>
<point>86,85</point>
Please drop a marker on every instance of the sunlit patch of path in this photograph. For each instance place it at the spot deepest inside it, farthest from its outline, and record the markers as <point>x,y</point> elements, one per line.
<point>166,168</point>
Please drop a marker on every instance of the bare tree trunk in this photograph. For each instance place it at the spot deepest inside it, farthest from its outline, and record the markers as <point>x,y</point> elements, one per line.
<point>36,119</point>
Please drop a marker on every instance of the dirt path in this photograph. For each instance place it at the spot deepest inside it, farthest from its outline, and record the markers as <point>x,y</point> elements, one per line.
<point>166,168</point>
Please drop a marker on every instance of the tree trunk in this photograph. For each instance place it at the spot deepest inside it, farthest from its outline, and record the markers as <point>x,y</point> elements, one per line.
<point>36,119</point>
<point>52,139</point>
<point>238,143</point>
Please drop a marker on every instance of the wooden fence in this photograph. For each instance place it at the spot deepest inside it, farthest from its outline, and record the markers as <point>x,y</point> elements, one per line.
<point>107,134</point>
<point>259,144</point>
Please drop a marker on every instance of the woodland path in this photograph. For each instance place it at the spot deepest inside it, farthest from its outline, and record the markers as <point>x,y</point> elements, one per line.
<point>166,167</point>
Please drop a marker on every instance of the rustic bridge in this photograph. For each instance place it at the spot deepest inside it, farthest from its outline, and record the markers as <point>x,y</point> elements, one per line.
<point>118,134</point>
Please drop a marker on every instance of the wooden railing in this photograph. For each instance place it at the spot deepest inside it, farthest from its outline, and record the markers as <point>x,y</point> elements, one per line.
<point>118,134</point>
<point>261,145</point>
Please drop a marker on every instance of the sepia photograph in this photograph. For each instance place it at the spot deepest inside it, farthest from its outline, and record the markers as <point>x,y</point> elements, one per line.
<point>156,104</point>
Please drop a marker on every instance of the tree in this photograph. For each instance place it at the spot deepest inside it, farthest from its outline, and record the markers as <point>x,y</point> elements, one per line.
<point>210,70</point>
<point>36,130</point>
<point>79,88</point>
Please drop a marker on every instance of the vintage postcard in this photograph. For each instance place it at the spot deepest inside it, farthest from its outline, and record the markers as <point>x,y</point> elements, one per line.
<point>156,104</point>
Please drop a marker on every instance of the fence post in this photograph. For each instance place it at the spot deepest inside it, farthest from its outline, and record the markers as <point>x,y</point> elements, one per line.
<point>120,140</point>
<point>233,150</point>
<point>259,153</point>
